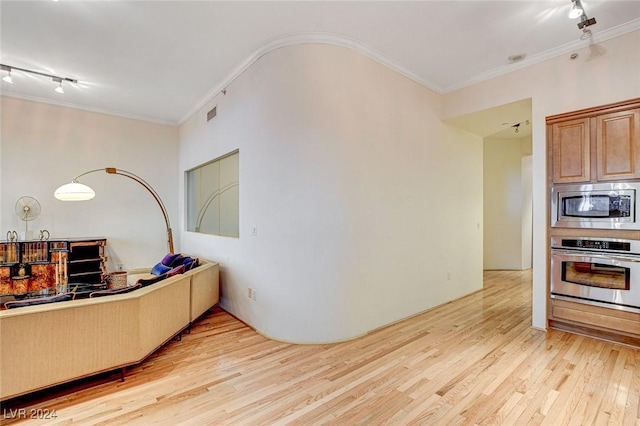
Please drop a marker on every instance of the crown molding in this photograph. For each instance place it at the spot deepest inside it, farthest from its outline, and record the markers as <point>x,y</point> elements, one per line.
<point>597,37</point>
<point>304,38</point>
<point>362,48</point>
<point>9,94</point>
<point>368,51</point>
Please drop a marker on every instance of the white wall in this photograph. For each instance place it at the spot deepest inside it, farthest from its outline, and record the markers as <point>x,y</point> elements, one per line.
<point>44,146</point>
<point>505,204</point>
<point>527,210</point>
<point>602,74</point>
<point>354,185</point>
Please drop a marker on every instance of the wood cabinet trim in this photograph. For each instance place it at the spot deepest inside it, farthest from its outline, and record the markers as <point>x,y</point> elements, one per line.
<point>589,112</point>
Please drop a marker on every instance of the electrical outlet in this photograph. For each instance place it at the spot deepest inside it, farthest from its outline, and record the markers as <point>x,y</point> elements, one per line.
<point>254,231</point>
<point>120,267</point>
<point>251,293</point>
<point>448,276</point>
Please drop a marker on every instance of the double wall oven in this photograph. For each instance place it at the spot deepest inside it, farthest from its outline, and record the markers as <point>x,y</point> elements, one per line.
<point>597,271</point>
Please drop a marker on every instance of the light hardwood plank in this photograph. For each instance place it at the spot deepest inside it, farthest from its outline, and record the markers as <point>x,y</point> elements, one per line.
<point>475,361</point>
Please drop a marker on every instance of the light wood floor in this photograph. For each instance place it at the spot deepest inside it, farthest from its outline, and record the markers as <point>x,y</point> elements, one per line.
<point>473,361</point>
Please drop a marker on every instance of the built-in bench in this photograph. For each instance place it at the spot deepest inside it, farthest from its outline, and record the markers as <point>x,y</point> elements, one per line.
<point>45,345</point>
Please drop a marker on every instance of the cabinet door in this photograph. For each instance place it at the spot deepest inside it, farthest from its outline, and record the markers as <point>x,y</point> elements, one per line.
<point>570,144</point>
<point>618,145</point>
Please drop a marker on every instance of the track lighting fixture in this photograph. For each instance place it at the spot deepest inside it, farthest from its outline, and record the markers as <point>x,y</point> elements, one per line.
<point>58,89</point>
<point>576,9</point>
<point>516,127</point>
<point>55,78</point>
<point>7,77</point>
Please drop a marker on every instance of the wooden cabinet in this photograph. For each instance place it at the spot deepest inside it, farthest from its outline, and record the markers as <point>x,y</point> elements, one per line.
<point>69,264</point>
<point>618,145</point>
<point>600,144</point>
<point>571,151</point>
<point>610,324</point>
<point>595,145</point>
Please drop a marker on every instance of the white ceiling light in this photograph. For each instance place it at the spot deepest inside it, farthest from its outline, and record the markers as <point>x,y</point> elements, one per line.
<point>7,78</point>
<point>58,89</point>
<point>55,78</point>
<point>576,9</point>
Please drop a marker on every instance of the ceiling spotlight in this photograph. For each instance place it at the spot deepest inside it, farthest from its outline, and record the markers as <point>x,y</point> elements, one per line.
<point>576,9</point>
<point>58,89</point>
<point>7,78</point>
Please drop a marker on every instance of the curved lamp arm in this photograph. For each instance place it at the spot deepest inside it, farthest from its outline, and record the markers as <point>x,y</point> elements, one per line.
<point>76,191</point>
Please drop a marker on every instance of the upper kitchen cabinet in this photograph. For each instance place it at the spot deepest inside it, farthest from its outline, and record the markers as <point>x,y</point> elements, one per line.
<point>618,145</point>
<point>571,151</point>
<point>596,144</point>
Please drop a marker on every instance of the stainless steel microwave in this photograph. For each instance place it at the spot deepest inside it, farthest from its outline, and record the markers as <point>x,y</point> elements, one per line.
<point>597,205</point>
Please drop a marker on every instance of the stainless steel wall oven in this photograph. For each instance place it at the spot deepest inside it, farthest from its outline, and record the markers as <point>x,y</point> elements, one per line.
<point>601,272</point>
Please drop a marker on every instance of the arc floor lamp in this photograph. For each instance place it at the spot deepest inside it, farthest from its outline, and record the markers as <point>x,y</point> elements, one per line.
<point>76,191</point>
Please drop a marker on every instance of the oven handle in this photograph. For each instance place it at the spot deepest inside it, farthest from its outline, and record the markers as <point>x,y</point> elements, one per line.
<point>571,253</point>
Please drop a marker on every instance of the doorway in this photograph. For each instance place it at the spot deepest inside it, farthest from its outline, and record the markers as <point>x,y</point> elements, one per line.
<point>507,183</point>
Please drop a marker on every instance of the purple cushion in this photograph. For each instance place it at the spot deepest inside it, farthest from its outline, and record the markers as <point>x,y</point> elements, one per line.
<point>177,261</point>
<point>189,263</point>
<point>39,300</point>
<point>169,258</point>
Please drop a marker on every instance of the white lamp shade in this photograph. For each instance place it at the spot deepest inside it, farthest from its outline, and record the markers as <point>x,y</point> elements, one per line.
<point>74,191</point>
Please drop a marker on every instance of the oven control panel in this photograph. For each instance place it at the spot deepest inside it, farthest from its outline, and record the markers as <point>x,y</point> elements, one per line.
<point>596,244</point>
<point>602,244</point>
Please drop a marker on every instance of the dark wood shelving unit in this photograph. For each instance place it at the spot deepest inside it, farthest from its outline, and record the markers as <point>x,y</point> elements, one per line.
<point>64,263</point>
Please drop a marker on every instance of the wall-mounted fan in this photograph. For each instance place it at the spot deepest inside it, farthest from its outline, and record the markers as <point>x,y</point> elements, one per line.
<point>27,209</point>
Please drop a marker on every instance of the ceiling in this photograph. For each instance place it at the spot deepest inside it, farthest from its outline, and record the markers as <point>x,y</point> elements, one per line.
<point>161,60</point>
<point>509,121</point>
